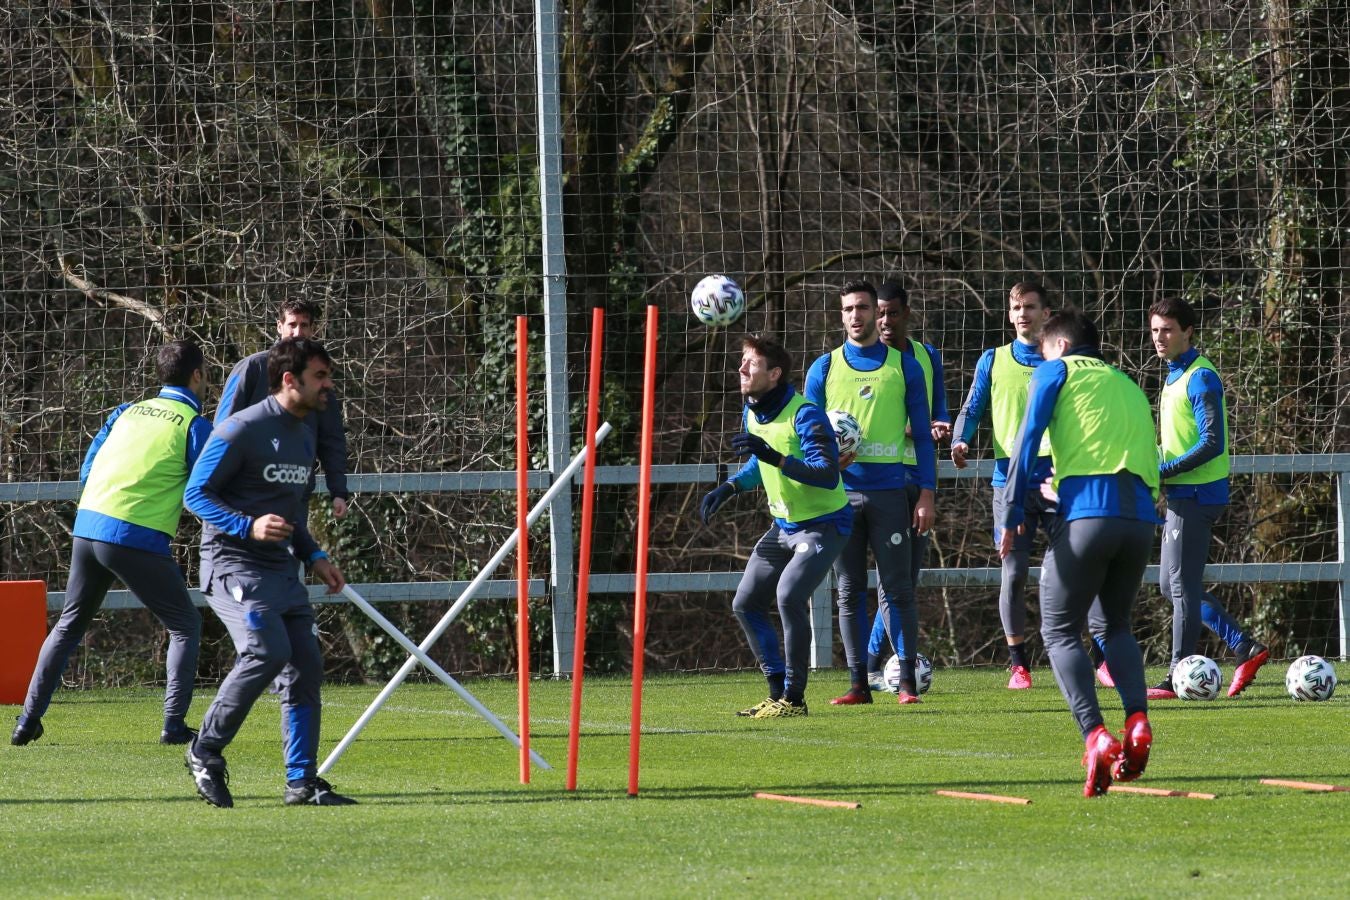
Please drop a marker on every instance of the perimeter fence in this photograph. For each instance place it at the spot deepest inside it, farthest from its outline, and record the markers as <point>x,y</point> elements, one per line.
<point>425,172</point>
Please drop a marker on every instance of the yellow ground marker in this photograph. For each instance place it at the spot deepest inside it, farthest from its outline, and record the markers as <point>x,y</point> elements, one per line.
<point>989,798</point>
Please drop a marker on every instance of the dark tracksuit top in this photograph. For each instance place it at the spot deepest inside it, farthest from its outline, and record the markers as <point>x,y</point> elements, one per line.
<point>257,462</point>
<point>248,385</point>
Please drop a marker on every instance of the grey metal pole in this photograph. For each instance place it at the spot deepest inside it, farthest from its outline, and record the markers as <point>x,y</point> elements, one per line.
<point>562,570</point>
<point>1343,554</point>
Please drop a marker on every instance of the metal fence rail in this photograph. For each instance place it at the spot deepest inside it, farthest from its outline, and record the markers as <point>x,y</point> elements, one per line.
<point>1337,571</point>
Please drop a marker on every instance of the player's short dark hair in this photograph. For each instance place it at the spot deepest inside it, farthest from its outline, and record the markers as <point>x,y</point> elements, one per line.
<point>1070,323</point>
<point>1024,289</point>
<point>299,307</point>
<point>859,286</point>
<point>774,353</point>
<point>1177,309</point>
<point>893,292</point>
<point>176,361</point>
<point>292,355</point>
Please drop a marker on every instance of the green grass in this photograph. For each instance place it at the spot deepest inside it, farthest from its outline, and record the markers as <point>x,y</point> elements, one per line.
<point>98,808</point>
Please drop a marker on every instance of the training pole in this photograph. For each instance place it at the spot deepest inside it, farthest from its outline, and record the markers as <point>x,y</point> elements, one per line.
<point>643,539</point>
<point>584,556</point>
<point>562,482</point>
<point>523,545</point>
<point>392,630</point>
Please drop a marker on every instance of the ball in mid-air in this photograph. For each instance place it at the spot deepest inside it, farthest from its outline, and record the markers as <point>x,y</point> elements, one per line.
<point>1310,678</point>
<point>846,430</point>
<point>717,301</point>
<point>1196,678</point>
<point>923,673</point>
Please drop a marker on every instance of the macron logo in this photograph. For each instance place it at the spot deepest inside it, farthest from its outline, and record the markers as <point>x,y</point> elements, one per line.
<point>276,445</point>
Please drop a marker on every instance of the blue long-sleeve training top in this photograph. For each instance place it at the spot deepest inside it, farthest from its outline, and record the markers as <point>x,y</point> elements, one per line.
<point>1205,391</point>
<point>257,462</point>
<point>817,467</point>
<point>877,476</point>
<point>96,526</point>
<point>248,385</point>
<point>1080,496</point>
<point>977,404</point>
<point>937,403</point>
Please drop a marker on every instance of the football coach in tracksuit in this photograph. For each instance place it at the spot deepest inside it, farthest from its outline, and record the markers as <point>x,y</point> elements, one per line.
<point>132,498</point>
<point>249,488</point>
<point>1106,475</point>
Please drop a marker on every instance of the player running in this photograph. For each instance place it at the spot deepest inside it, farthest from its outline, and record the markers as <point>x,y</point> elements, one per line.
<point>1106,475</point>
<point>885,391</point>
<point>130,503</point>
<point>1000,386</point>
<point>794,456</point>
<point>249,488</point>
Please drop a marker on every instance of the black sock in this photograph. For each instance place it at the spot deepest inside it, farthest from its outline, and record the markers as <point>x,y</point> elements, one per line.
<point>859,678</point>
<point>1017,655</point>
<point>795,697</point>
<point>874,662</point>
<point>776,683</point>
<point>1095,654</point>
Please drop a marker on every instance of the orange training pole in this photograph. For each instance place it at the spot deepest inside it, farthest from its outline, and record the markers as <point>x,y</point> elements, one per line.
<point>584,556</point>
<point>643,539</point>
<point>522,549</point>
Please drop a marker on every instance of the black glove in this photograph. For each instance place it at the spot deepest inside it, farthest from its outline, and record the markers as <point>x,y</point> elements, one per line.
<point>713,500</point>
<point>747,443</point>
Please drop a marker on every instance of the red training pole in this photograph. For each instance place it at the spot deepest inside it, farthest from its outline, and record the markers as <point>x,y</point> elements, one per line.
<point>523,547</point>
<point>584,560</point>
<point>643,539</point>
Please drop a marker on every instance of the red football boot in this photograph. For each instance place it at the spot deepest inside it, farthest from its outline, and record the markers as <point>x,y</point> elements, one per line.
<point>1245,674</point>
<point>1101,753</point>
<point>1104,676</point>
<point>1134,751</point>
<point>854,696</point>
<point>1020,679</point>
<point>904,698</point>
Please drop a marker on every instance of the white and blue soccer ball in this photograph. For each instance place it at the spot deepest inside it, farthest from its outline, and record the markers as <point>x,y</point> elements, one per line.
<point>717,301</point>
<point>1310,678</point>
<point>846,430</point>
<point>1197,678</point>
<point>923,673</point>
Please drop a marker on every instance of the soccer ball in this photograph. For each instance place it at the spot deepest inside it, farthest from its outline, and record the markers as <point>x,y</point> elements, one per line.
<point>923,673</point>
<point>1196,678</point>
<point>847,430</point>
<point>717,301</point>
<point>1310,678</point>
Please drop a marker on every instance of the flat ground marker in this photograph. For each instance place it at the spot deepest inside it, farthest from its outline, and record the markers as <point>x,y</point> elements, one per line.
<point>809,801</point>
<point>1305,785</point>
<point>1158,792</point>
<point>989,798</point>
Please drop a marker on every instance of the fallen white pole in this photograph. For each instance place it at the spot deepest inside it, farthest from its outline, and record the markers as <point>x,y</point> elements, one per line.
<point>392,630</point>
<point>563,480</point>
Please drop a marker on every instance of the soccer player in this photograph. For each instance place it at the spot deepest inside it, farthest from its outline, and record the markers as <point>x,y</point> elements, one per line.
<point>1193,424</point>
<point>248,488</point>
<point>893,326</point>
<point>885,391</point>
<point>1000,386</point>
<point>1106,476</point>
<point>794,456</point>
<point>131,500</point>
<point>248,385</point>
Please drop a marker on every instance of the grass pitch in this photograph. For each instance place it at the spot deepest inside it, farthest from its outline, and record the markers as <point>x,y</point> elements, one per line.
<point>97,807</point>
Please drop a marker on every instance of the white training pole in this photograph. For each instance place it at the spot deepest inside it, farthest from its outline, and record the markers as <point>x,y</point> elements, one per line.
<point>562,482</point>
<point>392,630</point>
